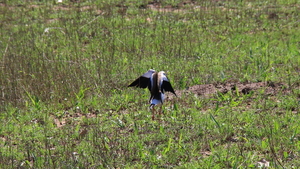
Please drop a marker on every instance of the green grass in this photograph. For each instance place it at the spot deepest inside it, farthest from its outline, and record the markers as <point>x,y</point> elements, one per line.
<point>65,67</point>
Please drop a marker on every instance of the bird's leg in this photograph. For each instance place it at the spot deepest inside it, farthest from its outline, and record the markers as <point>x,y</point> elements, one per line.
<point>153,111</point>
<point>161,111</point>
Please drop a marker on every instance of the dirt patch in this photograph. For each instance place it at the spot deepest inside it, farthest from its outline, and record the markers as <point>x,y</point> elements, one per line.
<point>243,88</point>
<point>66,118</point>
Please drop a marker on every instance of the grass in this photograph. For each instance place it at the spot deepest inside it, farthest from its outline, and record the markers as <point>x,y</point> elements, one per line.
<point>65,67</point>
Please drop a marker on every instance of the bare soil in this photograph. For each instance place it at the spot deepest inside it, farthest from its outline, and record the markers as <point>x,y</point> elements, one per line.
<point>243,88</point>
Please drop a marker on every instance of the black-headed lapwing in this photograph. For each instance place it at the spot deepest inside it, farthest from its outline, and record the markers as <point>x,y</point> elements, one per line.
<point>157,83</point>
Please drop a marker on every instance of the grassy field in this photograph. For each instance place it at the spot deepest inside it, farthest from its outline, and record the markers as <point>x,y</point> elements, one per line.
<point>65,67</point>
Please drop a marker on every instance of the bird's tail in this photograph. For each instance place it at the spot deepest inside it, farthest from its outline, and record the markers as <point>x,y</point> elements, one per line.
<point>156,99</point>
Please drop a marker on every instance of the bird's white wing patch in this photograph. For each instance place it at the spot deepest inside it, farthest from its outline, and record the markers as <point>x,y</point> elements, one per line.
<point>164,77</point>
<point>149,73</point>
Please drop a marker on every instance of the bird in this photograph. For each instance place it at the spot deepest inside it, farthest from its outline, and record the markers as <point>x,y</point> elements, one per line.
<point>158,84</point>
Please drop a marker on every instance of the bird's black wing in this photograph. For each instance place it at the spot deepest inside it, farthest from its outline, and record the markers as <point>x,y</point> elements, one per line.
<point>141,82</point>
<point>166,86</point>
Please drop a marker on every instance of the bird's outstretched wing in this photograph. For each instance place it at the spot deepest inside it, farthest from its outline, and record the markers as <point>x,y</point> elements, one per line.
<point>166,85</point>
<point>143,81</point>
